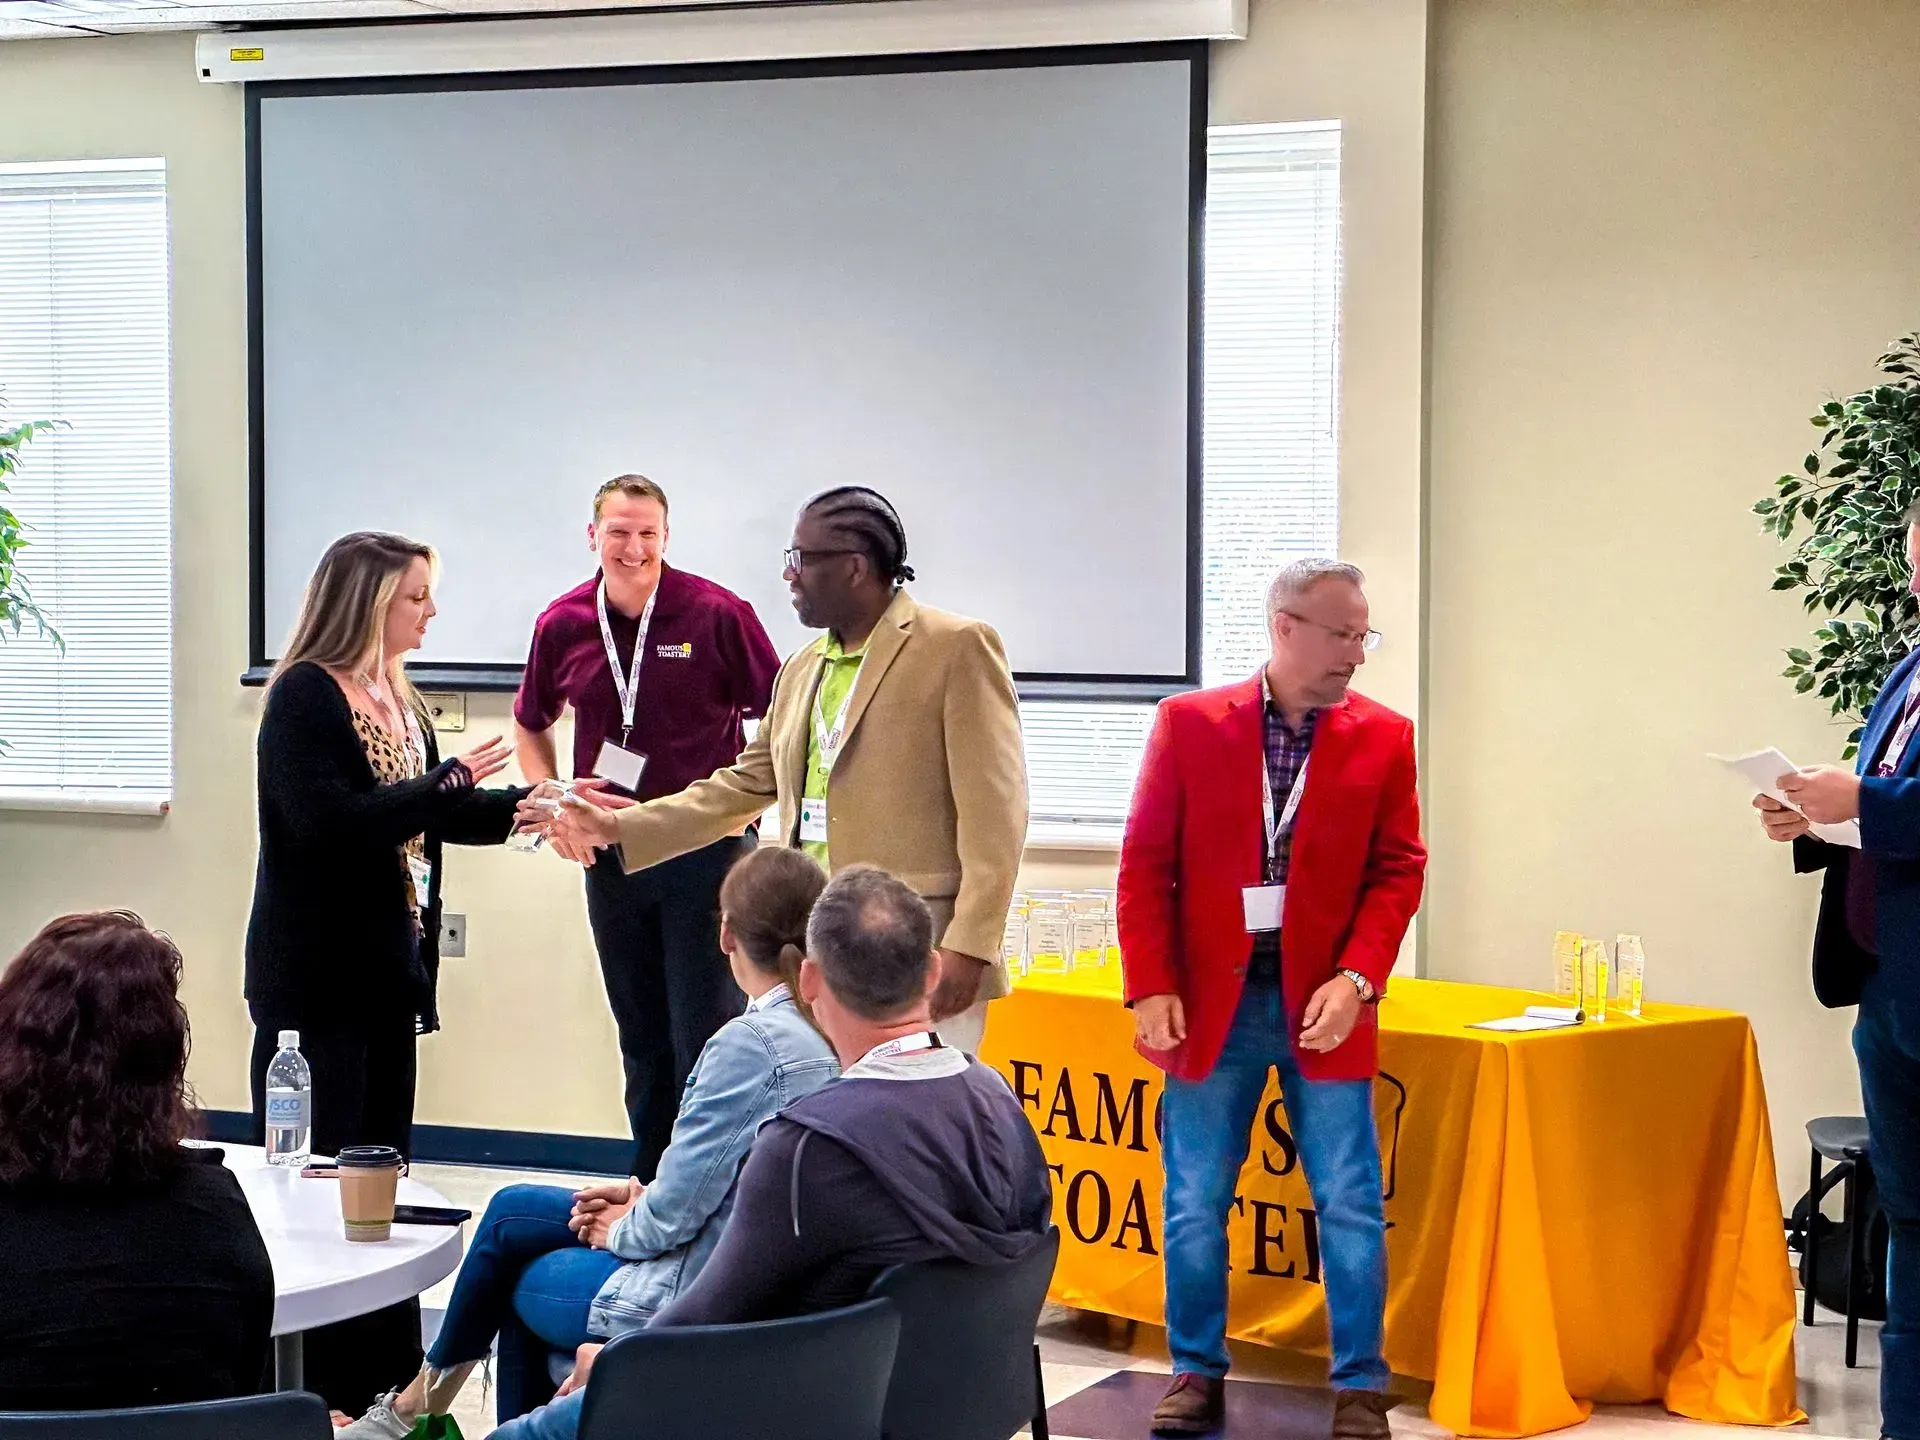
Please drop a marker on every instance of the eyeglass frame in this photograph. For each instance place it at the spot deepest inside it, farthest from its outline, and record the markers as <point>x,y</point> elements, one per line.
<point>795,559</point>
<point>1368,640</point>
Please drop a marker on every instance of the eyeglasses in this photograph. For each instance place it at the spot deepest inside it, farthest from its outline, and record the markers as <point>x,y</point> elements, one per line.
<point>797,559</point>
<point>1367,640</point>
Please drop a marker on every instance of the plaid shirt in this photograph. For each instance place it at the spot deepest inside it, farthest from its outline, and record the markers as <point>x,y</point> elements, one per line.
<point>1286,752</point>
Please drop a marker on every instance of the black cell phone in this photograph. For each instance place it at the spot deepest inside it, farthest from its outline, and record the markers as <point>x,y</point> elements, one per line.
<point>429,1215</point>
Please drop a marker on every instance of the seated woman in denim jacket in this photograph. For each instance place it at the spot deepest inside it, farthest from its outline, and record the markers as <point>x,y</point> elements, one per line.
<point>551,1268</point>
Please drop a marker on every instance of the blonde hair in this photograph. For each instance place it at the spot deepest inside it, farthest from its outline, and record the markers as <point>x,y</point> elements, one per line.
<point>344,612</point>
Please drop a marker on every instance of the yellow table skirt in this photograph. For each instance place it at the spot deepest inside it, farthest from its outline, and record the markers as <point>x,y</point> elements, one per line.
<point>1573,1216</point>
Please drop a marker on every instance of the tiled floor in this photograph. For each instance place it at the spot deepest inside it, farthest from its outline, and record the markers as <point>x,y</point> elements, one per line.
<point>1078,1350</point>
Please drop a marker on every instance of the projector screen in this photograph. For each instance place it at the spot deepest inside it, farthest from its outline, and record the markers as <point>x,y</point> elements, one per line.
<point>969,282</point>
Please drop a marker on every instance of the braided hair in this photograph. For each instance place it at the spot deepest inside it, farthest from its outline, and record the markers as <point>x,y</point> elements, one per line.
<point>869,521</point>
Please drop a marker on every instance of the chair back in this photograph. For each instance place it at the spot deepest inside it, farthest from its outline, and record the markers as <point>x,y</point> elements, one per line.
<point>815,1377</point>
<point>294,1415</point>
<point>965,1370</point>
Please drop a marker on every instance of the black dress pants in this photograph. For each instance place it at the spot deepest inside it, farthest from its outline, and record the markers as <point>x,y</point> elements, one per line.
<point>363,1083</point>
<point>658,934</point>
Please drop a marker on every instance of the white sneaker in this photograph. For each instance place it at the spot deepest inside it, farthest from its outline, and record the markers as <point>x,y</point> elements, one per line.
<point>379,1423</point>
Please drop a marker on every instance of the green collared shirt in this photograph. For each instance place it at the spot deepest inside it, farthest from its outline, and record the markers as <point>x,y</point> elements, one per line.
<point>837,673</point>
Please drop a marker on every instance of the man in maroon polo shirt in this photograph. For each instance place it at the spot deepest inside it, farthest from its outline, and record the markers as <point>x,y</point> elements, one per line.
<point>661,669</point>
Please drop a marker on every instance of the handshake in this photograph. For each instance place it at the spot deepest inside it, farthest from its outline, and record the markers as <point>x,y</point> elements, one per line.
<point>575,818</point>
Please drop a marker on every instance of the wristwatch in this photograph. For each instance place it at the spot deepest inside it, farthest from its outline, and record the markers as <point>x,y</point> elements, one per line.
<point>1368,995</point>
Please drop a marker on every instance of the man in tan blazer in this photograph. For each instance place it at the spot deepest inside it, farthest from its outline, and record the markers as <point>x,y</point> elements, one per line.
<point>893,740</point>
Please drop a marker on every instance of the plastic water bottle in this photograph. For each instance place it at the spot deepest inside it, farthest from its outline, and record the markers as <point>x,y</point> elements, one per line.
<point>289,1104</point>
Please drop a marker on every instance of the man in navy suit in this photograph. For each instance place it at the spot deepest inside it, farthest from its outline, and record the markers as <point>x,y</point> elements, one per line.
<point>1866,951</point>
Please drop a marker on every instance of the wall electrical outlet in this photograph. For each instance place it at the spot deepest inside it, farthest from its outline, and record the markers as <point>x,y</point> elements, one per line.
<point>453,936</point>
<point>449,711</point>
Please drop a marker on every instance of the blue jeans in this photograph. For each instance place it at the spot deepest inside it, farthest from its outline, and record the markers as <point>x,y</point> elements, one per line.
<point>1886,1038</point>
<point>1209,1125</point>
<point>559,1420</point>
<point>528,1280</point>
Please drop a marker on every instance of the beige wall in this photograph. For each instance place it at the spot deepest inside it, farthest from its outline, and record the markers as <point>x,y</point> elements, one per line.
<point>1661,234</point>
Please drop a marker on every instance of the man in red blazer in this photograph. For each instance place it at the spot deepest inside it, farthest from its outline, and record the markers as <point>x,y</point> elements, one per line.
<point>1260,914</point>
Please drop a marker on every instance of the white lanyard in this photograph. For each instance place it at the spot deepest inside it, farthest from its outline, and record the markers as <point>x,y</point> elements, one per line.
<point>628,688</point>
<point>416,746</point>
<point>905,1045</point>
<point>398,718</point>
<point>1275,828</point>
<point>828,741</point>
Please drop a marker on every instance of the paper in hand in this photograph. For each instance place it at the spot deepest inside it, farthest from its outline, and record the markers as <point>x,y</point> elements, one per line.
<point>1763,770</point>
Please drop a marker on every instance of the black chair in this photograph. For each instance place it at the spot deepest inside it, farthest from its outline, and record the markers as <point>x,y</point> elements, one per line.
<point>815,1377</point>
<point>294,1415</point>
<point>968,1367</point>
<point>1843,1140</point>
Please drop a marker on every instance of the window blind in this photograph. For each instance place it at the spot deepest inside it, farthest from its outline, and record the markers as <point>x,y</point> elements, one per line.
<point>84,342</point>
<point>1271,462</point>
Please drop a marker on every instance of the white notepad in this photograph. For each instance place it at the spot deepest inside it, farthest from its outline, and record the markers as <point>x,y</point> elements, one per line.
<point>1763,769</point>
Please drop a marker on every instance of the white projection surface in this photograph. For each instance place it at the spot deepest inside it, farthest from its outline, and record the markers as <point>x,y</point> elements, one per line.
<point>968,288</point>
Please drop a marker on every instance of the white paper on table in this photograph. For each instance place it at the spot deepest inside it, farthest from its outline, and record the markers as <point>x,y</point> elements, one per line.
<point>1763,769</point>
<point>1524,1022</point>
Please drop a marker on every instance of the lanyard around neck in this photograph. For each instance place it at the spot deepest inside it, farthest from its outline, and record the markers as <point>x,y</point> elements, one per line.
<point>1903,733</point>
<point>904,1045</point>
<point>1276,826</point>
<point>829,740</point>
<point>627,687</point>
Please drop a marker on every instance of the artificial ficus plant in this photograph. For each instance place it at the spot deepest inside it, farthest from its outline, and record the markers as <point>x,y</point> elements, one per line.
<point>1848,509</point>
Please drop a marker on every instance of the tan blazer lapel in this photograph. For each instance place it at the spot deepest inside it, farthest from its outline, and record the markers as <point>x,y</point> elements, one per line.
<point>791,741</point>
<point>888,639</point>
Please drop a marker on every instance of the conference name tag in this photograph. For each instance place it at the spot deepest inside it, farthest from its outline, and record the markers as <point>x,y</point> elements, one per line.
<point>620,765</point>
<point>813,820</point>
<point>422,874</point>
<point>1262,905</point>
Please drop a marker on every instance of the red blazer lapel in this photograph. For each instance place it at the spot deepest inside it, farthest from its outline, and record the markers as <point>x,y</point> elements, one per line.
<point>1334,737</point>
<point>1244,741</point>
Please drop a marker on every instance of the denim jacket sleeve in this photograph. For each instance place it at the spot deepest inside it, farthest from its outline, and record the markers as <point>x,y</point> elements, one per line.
<point>728,1095</point>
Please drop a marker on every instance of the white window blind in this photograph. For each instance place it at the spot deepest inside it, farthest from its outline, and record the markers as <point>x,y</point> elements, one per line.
<point>84,341</point>
<point>1272,479</point>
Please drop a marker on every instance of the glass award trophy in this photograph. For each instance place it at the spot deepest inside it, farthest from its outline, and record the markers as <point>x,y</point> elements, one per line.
<point>1013,939</point>
<point>548,797</point>
<point>1631,961</point>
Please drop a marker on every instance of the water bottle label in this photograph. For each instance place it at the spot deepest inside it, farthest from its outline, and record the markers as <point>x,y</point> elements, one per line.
<point>287,1109</point>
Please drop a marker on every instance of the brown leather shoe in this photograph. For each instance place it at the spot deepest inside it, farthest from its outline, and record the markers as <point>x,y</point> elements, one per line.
<point>1193,1405</point>
<point>1361,1415</point>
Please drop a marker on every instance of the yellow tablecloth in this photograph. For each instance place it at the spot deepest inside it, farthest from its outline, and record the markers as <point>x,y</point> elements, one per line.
<point>1573,1216</point>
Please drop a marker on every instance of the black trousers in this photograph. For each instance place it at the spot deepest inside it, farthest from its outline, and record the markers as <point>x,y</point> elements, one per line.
<point>658,934</point>
<point>363,1082</point>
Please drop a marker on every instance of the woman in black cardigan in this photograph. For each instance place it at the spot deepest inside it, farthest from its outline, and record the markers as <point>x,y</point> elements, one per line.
<point>355,805</point>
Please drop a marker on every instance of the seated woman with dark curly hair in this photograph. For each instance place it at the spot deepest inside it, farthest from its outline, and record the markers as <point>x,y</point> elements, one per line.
<point>131,1270</point>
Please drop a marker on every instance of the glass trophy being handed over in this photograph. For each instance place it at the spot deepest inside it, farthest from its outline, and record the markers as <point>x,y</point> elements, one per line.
<point>547,797</point>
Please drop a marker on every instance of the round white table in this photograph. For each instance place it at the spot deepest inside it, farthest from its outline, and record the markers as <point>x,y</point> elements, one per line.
<point>319,1276</point>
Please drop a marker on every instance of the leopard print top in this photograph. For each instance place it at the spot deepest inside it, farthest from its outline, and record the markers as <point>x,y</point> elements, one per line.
<point>392,762</point>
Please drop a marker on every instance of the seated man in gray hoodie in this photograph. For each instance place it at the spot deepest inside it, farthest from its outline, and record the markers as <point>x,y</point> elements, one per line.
<point>916,1153</point>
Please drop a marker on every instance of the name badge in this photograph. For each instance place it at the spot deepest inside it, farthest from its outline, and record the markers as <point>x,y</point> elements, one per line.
<point>422,874</point>
<point>813,820</point>
<point>1262,905</point>
<point>620,765</point>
